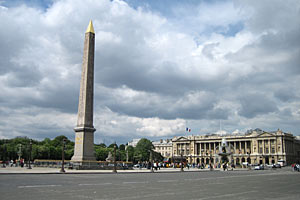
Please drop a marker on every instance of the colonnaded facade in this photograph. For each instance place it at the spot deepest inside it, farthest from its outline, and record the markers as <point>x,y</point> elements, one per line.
<point>254,147</point>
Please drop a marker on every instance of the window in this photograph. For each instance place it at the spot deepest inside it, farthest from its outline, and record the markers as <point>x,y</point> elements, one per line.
<point>273,150</point>
<point>267,150</point>
<point>272,141</point>
<point>260,150</point>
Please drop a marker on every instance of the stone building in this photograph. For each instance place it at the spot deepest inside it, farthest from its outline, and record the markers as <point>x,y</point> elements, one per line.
<point>164,147</point>
<point>253,147</point>
<point>133,142</point>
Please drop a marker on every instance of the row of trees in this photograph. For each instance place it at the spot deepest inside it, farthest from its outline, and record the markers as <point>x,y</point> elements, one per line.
<point>19,147</point>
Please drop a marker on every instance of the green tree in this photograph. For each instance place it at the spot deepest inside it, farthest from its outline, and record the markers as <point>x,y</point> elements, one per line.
<point>122,147</point>
<point>101,153</point>
<point>112,146</point>
<point>130,151</point>
<point>157,156</point>
<point>142,150</point>
<point>102,145</point>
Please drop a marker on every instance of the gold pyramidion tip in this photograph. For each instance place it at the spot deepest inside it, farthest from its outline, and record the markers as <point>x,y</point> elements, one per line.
<point>90,28</point>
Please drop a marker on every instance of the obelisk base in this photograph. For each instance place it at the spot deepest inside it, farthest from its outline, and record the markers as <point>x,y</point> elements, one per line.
<point>84,155</point>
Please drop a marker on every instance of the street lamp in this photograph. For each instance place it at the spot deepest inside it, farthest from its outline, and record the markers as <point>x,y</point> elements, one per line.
<point>210,158</point>
<point>126,149</point>
<point>181,169</point>
<point>115,164</point>
<point>30,149</point>
<point>62,170</point>
<point>20,151</point>
<point>151,161</point>
<point>249,167</point>
<point>4,155</point>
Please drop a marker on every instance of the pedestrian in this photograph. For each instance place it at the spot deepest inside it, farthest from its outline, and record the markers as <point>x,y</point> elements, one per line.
<point>22,162</point>
<point>155,166</point>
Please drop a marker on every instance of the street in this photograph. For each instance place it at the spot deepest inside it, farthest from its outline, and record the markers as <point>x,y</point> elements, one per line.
<point>265,184</point>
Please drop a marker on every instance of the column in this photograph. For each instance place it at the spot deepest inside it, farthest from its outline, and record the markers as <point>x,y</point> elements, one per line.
<point>234,144</point>
<point>270,148</point>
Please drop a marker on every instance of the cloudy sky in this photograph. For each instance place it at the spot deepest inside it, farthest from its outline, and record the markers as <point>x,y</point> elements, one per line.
<point>160,66</point>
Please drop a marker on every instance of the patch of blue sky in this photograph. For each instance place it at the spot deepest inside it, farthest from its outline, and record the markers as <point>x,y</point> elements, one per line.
<point>42,4</point>
<point>165,7</point>
<point>185,15</point>
<point>232,29</point>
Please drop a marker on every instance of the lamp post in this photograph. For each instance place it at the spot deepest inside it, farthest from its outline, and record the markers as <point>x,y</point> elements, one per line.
<point>210,165</point>
<point>126,149</point>
<point>4,155</point>
<point>30,149</point>
<point>181,169</point>
<point>115,163</point>
<point>249,167</point>
<point>62,170</point>
<point>151,161</point>
<point>20,151</point>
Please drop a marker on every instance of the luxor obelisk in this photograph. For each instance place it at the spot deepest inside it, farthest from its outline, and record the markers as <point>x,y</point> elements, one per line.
<point>84,131</point>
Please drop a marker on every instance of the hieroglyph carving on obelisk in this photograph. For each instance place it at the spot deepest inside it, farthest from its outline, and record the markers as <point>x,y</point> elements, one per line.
<point>84,131</point>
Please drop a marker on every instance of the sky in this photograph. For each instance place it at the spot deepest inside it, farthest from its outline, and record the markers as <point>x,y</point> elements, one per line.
<point>160,66</point>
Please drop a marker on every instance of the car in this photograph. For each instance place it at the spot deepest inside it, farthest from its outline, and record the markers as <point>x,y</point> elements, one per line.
<point>259,167</point>
<point>277,166</point>
<point>270,165</point>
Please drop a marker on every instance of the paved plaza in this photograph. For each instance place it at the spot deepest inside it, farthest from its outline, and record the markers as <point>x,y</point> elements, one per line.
<point>266,184</point>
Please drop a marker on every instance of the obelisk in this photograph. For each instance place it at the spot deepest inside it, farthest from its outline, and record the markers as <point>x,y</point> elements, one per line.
<point>84,131</point>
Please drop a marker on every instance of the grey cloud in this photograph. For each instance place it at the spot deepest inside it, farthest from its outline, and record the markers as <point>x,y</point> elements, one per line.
<point>168,82</point>
<point>285,95</point>
<point>207,50</point>
<point>256,104</point>
<point>24,76</point>
<point>195,105</point>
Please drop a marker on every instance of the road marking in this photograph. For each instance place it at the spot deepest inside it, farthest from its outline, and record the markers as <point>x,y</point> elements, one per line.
<point>227,195</point>
<point>135,182</point>
<point>166,181</point>
<point>37,186</point>
<point>237,176</point>
<point>89,184</point>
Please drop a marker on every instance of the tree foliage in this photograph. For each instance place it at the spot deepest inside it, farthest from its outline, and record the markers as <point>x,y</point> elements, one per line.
<point>46,149</point>
<point>10,149</point>
<point>142,150</point>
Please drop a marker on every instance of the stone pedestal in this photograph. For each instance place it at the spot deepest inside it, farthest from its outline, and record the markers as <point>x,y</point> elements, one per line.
<point>84,144</point>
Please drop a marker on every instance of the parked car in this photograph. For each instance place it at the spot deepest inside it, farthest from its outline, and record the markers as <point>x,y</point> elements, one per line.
<point>270,166</point>
<point>259,167</point>
<point>136,166</point>
<point>277,165</point>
